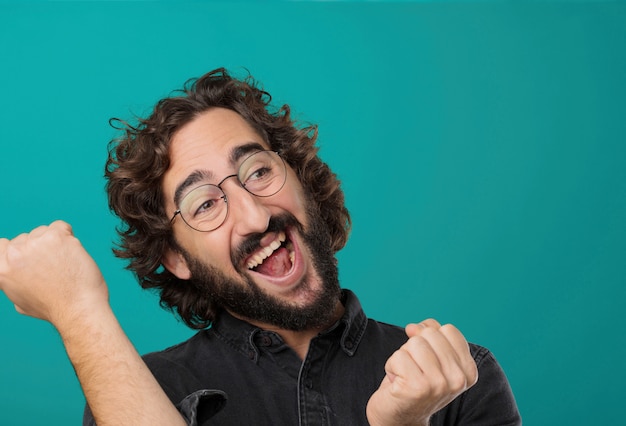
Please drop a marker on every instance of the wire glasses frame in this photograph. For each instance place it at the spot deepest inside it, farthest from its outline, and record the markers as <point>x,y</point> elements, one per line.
<point>205,208</point>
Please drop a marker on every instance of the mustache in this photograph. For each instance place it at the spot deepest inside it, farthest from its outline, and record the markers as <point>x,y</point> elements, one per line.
<point>253,242</point>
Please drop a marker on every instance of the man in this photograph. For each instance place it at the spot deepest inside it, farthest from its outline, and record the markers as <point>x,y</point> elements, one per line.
<point>233,217</point>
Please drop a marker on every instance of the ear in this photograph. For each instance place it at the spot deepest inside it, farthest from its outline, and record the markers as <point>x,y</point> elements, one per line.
<point>176,264</point>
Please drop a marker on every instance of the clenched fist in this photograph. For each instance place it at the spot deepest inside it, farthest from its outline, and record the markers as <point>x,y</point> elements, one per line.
<point>47,274</point>
<point>432,368</point>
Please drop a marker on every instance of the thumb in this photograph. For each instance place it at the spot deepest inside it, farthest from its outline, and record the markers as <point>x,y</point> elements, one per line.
<point>414,329</point>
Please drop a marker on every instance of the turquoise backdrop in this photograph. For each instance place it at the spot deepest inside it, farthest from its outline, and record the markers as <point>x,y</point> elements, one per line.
<point>481,145</point>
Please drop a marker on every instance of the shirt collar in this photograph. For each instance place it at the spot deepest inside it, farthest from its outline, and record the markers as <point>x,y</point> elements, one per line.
<point>351,325</point>
<point>240,334</point>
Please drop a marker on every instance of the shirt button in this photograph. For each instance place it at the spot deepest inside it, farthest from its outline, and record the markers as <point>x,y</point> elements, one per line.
<point>266,341</point>
<point>251,354</point>
<point>308,383</point>
<point>349,344</point>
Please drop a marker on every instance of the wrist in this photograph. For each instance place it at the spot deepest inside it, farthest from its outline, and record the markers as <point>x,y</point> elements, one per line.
<point>83,306</point>
<point>84,320</point>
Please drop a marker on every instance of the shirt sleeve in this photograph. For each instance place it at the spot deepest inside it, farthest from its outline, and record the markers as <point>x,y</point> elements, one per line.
<point>490,402</point>
<point>197,408</point>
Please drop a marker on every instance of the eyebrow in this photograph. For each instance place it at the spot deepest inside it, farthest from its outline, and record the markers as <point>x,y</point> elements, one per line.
<point>236,154</point>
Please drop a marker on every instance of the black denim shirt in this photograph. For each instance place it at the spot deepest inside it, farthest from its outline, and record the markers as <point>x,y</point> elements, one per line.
<point>237,374</point>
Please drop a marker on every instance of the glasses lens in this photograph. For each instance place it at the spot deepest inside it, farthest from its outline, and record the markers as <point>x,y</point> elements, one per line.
<point>263,173</point>
<point>204,208</point>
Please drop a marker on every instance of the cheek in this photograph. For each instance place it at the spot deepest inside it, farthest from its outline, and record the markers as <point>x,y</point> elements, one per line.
<point>294,199</point>
<point>294,202</point>
<point>213,250</point>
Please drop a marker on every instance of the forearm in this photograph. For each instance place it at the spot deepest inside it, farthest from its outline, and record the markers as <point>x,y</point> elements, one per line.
<point>48,274</point>
<point>118,386</point>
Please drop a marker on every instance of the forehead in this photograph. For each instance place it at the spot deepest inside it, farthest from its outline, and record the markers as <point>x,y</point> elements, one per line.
<point>208,145</point>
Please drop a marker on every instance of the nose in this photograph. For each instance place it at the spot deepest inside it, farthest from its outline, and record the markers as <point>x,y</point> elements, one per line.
<point>247,212</point>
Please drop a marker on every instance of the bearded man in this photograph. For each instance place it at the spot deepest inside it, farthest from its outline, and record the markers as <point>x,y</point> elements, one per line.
<point>233,218</point>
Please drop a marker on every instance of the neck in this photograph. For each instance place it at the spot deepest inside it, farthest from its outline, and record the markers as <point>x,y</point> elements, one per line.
<point>299,341</point>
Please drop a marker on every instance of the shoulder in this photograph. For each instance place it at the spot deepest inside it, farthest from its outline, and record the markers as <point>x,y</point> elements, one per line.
<point>491,399</point>
<point>179,355</point>
<point>379,340</point>
<point>480,353</point>
<point>176,367</point>
<point>387,329</point>
<point>485,360</point>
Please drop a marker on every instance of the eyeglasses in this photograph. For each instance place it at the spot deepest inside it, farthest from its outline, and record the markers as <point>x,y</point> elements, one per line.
<point>205,208</point>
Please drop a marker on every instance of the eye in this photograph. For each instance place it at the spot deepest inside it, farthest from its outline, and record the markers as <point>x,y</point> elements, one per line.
<point>262,174</point>
<point>206,207</point>
<point>203,202</point>
<point>259,173</point>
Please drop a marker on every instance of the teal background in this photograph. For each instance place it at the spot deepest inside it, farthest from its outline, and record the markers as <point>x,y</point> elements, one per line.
<point>481,145</point>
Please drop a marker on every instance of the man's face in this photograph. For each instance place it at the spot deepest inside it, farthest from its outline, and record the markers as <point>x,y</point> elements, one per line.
<point>270,261</point>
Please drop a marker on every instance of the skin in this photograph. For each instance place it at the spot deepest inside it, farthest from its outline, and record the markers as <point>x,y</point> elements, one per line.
<point>432,368</point>
<point>423,376</point>
<point>48,275</point>
<point>202,145</point>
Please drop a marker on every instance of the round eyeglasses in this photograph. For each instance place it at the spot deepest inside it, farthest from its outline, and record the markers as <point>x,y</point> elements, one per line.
<point>205,207</point>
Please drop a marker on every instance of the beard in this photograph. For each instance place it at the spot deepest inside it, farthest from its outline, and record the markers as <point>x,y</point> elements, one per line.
<point>247,300</point>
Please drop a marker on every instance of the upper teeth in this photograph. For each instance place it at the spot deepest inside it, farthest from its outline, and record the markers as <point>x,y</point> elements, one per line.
<point>266,251</point>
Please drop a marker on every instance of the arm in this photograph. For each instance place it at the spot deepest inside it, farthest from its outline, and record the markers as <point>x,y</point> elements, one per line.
<point>47,274</point>
<point>430,370</point>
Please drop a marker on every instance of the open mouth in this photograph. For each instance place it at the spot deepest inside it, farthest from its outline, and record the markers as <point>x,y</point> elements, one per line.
<point>275,258</point>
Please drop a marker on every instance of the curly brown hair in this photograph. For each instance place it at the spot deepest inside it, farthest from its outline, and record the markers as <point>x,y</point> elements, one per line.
<point>139,158</point>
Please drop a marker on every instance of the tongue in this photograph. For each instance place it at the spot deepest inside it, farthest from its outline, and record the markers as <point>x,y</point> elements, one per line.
<point>278,264</point>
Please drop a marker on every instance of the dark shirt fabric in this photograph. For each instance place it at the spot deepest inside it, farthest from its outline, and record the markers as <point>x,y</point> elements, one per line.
<point>237,374</point>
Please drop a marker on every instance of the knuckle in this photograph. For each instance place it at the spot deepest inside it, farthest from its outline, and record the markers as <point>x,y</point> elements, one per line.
<point>449,328</point>
<point>452,333</point>
<point>19,238</point>
<point>415,344</point>
<point>430,322</point>
<point>61,225</point>
<point>458,382</point>
<point>415,340</point>
<point>430,331</point>
<point>439,385</point>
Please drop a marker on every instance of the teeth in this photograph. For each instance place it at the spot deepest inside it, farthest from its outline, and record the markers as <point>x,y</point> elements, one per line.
<point>275,244</point>
<point>266,252</point>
